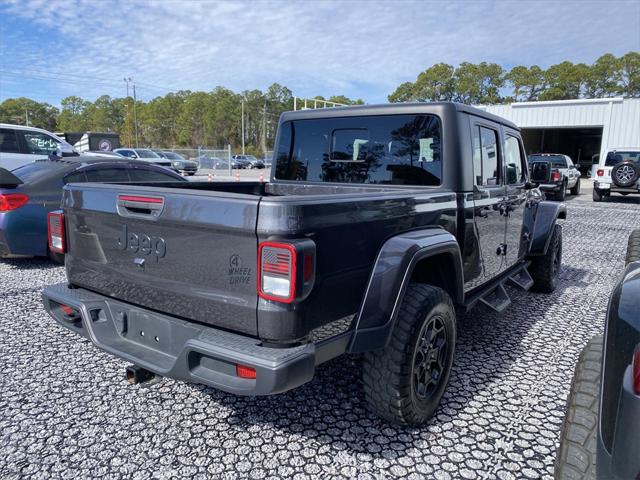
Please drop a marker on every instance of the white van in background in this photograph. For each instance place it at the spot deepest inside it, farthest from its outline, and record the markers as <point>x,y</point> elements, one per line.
<point>20,145</point>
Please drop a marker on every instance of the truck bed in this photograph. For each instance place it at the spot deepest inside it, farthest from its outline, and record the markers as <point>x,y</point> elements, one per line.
<point>196,257</point>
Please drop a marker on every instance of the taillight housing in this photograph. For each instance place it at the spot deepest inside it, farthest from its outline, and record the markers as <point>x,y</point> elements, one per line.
<point>11,201</point>
<point>600,172</point>
<point>635,370</point>
<point>56,228</point>
<point>286,270</point>
<point>555,176</point>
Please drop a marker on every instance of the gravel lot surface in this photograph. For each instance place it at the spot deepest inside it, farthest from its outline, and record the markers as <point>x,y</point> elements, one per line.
<point>67,412</point>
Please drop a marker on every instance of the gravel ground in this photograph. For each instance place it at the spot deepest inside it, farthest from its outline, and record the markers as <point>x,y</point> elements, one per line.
<point>66,411</point>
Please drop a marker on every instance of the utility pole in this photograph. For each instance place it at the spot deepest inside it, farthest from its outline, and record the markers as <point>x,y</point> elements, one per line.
<point>264,128</point>
<point>26,116</point>
<point>127,80</point>
<point>135,116</point>
<point>243,126</point>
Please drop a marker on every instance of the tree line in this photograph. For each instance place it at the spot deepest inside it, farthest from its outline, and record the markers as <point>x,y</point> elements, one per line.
<point>214,119</point>
<point>488,83</point>
<point>178,119</point>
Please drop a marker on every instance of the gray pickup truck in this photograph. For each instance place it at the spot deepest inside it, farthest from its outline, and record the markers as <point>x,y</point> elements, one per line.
<point>378,222</point>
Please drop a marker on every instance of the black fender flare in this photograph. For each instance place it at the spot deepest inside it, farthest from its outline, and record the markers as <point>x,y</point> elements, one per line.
<point>545,219</point>
<point>390,277</point>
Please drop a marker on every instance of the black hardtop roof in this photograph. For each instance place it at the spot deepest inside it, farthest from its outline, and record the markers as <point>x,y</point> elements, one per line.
<point>394,109</point>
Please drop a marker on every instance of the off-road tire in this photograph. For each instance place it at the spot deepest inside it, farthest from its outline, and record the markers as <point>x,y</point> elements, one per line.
<point>575,190</point>
<point>543,269</point>
<point>597,195</point>
<point>562,193</point>
<point>388,373</point>
<point>633,247</point>
<point>576,456</point>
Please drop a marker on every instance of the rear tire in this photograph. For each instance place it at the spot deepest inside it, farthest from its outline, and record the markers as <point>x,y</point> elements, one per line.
<point>404,381</point>
<point>597,195</point>
<point>633,247</point>
<point>576,188</point>
<point>562,193</point>
<point>576,456</point>
<point>545,269</point>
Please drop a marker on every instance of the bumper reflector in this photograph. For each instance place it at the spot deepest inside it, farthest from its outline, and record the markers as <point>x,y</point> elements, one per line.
<point>244,371</point>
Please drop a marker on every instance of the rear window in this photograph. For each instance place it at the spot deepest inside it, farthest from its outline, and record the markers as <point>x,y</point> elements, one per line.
<point>390,149</point>
<point>557,161</point>
<point>614,158</point>
<point>39,169</point>
<point>144,153</point>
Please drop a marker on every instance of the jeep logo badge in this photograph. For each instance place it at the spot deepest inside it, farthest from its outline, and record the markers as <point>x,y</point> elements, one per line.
<point>156,247</point>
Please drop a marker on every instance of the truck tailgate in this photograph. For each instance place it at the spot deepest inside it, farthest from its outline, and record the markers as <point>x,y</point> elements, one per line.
<point>191,254</point>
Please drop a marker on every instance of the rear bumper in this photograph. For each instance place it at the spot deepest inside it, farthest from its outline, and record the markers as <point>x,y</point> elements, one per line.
<point>612,187</point>
<point>175,348</point>
<point>623,461</point>
<point>550,187</point>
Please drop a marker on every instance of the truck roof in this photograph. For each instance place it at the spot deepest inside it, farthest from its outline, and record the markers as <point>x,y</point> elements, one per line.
<point>393,109</point>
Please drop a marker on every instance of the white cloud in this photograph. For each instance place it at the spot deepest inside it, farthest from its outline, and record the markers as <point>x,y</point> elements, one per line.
<point>358,48</point>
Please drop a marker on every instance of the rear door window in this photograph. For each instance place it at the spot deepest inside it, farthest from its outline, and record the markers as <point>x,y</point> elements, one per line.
<point>9,141</point>
<point>390,149</point>
<point>138,174</point>
<point>109,174</point>
<point>486,162</point>
<point>39,143</point>
<point>75,177</point>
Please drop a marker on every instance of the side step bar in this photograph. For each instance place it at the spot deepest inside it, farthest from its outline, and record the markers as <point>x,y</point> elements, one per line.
<point>495,295</point>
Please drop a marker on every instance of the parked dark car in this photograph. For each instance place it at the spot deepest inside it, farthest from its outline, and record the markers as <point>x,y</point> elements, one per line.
<point>242,161</point>
<point>179,163</point>
<point>377,222</point>
<point>601,433</point>
<point>29,192</point>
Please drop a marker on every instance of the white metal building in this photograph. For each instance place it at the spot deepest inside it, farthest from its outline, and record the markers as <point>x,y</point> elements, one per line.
<point>578,128</point>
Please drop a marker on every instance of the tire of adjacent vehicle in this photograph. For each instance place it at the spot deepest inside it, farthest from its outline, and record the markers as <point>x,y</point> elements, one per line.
<point>544,269</point>
<point>597,195</point>
<point>630,179</point>
<point>560,195</point>
<point>575,190</point>
<point>576,456</point>
<point>389,374</point>
<point>633,247</point>
<point>55,257</point>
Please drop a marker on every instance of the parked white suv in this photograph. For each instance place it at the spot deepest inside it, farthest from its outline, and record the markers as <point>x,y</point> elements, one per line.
<point>617,172</point>
<point>20,145</point>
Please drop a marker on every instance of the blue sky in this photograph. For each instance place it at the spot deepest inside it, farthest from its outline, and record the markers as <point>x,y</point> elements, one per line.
<point>53,48</point>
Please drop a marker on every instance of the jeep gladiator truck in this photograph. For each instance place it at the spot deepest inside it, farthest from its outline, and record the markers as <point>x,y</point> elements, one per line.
<point>601,429</point>
<point>376,222</point>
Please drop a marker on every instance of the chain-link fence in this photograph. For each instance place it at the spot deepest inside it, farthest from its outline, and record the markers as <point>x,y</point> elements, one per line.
<point>221,162</point>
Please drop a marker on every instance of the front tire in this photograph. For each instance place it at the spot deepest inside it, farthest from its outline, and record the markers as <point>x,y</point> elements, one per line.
<point>404,381</point>
<point>576,456</point>
<point>575,190</point>
<point>545,269</point>
<point>633,248</point>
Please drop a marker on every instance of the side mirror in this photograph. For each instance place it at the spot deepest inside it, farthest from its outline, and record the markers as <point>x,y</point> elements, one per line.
<point>65,150</point>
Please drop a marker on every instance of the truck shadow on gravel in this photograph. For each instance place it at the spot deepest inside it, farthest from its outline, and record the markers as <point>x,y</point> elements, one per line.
<point>30,263</point>
<point>494,367</point>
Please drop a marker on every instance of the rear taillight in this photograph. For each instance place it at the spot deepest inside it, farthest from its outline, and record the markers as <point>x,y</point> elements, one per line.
<point>555,176</point>
<point>11,201</point>
<point>635,370</point>
<point>600,172</point>
<point>57,242</point>
<point>277,271</point>
<point>286,271</point>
